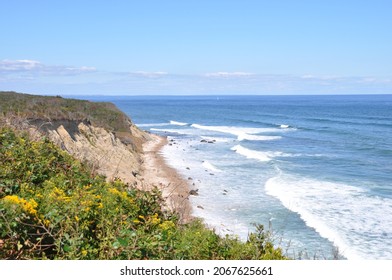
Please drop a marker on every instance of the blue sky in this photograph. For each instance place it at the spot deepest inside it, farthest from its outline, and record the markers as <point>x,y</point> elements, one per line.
<point>196,47</point>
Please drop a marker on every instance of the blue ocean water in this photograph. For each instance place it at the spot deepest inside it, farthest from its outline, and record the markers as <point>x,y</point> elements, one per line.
<point>315,170</point>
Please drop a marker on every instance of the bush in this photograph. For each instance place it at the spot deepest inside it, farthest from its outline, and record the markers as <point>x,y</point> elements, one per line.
<point>51,207</point>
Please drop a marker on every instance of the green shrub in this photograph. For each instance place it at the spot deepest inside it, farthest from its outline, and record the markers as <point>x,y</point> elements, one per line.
<point>51,207</point>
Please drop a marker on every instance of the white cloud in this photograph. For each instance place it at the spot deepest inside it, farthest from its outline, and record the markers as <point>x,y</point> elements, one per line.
<point>19,65</point>
<point>34,67</point>
<point>308,76</point>
<point>34,76</point>
<point>324,78</point>
<point>81,69</point>
<point>228,74</point>
<point>146,74</point>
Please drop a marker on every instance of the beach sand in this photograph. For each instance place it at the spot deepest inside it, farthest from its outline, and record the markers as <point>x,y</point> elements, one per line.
<point>156,172</point>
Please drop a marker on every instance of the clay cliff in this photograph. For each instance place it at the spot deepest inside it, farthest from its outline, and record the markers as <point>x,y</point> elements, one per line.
<point>96,133</point>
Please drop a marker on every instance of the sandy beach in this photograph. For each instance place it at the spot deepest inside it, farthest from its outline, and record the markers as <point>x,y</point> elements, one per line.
<point>156,172</point>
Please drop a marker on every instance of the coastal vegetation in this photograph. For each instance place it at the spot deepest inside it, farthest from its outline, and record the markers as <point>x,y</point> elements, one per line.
<point>51,108</point>
<point>48,112</point>
<point>53,206</point>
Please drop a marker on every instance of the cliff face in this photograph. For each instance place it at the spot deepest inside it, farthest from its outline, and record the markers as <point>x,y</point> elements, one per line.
<point>97,133</point>
<point>101,149</point>
<point>101,136</point>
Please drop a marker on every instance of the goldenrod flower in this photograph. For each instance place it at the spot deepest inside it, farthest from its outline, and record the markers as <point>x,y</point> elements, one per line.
<point>154,219</point>
<point>27,206</point>
<point>167,225</point>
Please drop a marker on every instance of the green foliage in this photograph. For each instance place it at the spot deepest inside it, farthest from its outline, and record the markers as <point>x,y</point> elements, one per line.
<point>43,109</point>
<point>52,208</point>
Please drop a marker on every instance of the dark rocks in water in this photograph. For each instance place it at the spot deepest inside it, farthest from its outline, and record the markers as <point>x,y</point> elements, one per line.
<point>199,206</point>
<point>190,178</point>
<point>207,141</point>
<point>188,168</point>
<point>194,192</point>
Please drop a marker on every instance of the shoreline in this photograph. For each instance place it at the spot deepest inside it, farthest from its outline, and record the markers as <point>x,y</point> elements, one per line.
<point>155,171</point>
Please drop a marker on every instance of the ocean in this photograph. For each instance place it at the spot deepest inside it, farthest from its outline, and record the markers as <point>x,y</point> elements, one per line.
<point>316,171</point>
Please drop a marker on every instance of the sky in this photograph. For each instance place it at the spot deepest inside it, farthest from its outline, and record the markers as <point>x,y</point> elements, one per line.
<point>165,47</point>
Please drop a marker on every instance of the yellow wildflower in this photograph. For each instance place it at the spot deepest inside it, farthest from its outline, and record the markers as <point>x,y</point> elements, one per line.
<point>113,191</point>
<point>11,199</point>
<point>60,195</point>
<point>27,206</point>
<point>167,225</point>
<point>58,192</point>
<point>47,223</point>
<point>123,194</point>
<point>154,219</point>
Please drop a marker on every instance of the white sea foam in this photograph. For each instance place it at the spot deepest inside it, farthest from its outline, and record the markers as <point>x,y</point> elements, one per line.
<point>216,139</point>
<point>206,164</point>
<point>284,126</point>
<point>169,130</point>
<point>242,133</point>
<point>259,155</point>
<point>235,130</point>
<point>251,154</point>
<point>245,136</point>
<point>339,212</point>
<point>178,123</point>
<point>152,124</point>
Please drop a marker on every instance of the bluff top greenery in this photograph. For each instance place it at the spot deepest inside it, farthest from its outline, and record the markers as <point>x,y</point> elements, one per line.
<point>56,108</point>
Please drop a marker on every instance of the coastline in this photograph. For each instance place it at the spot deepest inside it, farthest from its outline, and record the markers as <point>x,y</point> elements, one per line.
<point>155,171</point>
